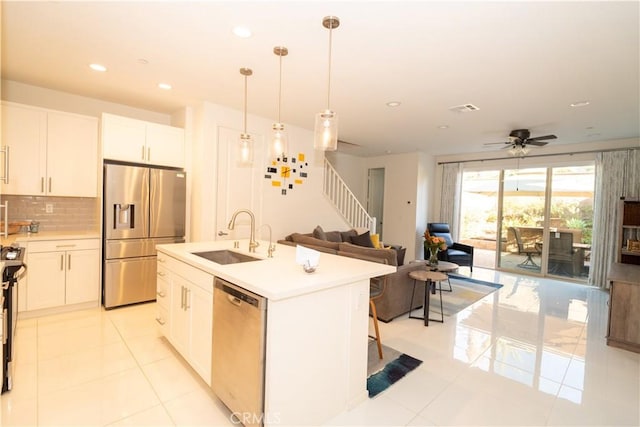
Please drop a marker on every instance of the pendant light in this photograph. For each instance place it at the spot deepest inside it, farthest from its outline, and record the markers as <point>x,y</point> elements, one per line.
<point>326,128</point>
<point>245,146</point>
<point>279,138</point>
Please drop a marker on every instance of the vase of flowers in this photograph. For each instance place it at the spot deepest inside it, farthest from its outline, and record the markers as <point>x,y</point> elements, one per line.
<point>434,244</point>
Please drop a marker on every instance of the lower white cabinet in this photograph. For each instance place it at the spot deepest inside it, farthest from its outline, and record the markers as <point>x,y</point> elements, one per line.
<point>62,272</point>
<point>185,312</point>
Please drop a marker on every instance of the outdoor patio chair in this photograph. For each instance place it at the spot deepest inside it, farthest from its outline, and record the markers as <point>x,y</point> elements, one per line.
<point>564,259</point>
<point>523,249</point>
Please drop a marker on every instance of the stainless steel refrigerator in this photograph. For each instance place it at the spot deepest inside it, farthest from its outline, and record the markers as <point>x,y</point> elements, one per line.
<point>143,207</point>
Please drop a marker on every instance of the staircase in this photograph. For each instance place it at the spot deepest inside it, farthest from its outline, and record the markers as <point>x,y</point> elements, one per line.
<point>335,189</point>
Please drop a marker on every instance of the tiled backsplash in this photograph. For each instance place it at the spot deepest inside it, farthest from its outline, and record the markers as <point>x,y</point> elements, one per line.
<point>68,213</point>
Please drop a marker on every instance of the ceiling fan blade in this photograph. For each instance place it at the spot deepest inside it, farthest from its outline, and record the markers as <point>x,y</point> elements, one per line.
<point>340,141</point>
<point>540,138</point>
<point>536,143</point>
<point>496,143</point>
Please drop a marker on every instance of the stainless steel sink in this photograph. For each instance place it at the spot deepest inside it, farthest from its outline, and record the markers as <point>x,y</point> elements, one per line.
<point>225,256</point>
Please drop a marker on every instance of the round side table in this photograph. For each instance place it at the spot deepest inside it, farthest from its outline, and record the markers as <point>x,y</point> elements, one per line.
<point>429,278</point>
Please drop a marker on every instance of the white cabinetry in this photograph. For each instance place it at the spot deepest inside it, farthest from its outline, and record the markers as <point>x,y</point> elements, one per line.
<point>50,152</point>
<point>138,141</point>
<point>188,322</point>
<point>62,272</point>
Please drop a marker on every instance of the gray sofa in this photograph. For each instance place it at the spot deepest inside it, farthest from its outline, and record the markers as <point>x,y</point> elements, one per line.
<point>397,295</point>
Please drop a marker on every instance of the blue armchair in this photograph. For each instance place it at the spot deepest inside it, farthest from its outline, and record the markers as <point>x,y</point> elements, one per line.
<point>458,253</point>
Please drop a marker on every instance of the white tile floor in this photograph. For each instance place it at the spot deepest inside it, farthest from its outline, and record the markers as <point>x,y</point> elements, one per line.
<point>532,353</point>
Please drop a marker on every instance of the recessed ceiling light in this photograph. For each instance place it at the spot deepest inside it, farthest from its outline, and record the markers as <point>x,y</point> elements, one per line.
<point>98,67</point>
<point>443,127</point>
<point>393,103</point>
<point>579,104</point>
<point>164,86</point>
<point>241,31</point>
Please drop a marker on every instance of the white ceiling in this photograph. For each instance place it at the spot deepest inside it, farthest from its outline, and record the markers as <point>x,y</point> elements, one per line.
<point>521,63</point>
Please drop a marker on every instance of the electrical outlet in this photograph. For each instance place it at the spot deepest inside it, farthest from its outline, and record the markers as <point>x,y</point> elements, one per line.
<point>48,208</point>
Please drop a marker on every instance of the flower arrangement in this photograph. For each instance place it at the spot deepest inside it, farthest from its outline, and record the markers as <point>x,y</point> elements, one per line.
<point>434,242</point>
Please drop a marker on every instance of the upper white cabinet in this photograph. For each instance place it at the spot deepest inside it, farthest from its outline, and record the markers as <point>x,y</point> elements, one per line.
<point>138,141</point>
<point>49,152</point>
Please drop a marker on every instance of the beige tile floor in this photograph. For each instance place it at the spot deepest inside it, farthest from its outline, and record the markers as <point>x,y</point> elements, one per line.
<point>532,353</point>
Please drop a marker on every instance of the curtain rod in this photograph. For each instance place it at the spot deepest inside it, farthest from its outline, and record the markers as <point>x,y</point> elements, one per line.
<point>541,155</point>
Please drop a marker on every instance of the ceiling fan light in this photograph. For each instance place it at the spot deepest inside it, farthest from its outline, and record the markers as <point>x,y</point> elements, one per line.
<point>326,131</point>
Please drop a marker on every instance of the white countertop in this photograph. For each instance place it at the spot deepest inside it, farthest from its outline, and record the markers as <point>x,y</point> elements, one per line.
<point>279,277</point>
<point>49,235</point>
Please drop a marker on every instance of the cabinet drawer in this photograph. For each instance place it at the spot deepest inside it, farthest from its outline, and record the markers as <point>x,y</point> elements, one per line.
<point>194,275</point>
<point>162,319</point>
<point>62,245</point>
<point>162,290</point>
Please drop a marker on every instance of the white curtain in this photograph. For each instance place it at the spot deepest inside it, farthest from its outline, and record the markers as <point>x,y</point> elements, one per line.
<point>617,175</point>
<point>450,201</point>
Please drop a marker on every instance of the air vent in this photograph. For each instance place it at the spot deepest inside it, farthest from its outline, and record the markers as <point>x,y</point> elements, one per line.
<point>464,108</point>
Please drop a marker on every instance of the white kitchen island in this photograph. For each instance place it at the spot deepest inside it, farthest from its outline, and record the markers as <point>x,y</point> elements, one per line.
<point>317,324</point>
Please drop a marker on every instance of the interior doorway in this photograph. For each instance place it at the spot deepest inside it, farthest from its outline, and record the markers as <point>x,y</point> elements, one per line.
<point>375,196</point>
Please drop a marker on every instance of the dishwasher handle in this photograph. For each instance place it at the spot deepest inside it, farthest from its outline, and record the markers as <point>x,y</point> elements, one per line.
<point>238,295</point>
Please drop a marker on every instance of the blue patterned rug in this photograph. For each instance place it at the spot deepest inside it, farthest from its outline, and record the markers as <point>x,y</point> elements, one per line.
<point>466,291</point>
<point>391,373</point>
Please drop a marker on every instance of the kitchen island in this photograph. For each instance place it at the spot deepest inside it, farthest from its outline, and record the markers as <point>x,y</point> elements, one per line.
<point>317,324</point>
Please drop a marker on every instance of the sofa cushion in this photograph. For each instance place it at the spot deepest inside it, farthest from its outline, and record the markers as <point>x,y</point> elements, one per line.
<point>333,236</point>
<point>385,256</point>
<point>319,233</point>
<point>310,240</point>
<point>363,239</point>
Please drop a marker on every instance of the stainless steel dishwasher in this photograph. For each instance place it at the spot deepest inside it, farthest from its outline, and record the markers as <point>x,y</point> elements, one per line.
<point>238,348</point>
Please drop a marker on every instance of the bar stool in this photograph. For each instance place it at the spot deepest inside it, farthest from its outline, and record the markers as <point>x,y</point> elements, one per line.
<point>377,286</point>
<point>429,278</point>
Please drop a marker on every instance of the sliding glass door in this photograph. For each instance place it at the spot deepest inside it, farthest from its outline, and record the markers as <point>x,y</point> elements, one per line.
<point>530,220</point>
<point>522,219</point>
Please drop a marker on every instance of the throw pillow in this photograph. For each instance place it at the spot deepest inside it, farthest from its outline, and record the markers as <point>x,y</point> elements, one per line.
<point>346,235</point>
<point>363,239</point>
<point>375,239</point>
<point>319,233</point>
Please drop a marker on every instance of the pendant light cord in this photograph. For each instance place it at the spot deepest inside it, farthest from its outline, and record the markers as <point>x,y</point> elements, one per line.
<point>245,104</point>
<point>329,71</point>
<point>280,89</point>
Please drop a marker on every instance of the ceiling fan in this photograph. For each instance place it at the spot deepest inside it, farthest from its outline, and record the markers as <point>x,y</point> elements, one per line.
<point>519,139</point>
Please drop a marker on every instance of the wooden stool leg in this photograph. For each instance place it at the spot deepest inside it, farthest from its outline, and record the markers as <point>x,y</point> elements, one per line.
<point>375,325</point>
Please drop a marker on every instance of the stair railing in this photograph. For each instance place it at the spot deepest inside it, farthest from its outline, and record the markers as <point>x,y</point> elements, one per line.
<point>345,202</point>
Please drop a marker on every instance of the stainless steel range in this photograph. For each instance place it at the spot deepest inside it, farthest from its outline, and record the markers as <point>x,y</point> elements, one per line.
<point>11,262</point>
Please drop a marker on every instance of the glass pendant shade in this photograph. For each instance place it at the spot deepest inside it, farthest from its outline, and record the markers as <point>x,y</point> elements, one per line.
<point>326,131</point>
<point>279,141</point>
<point>245,150</point>
<point>326,128</point>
